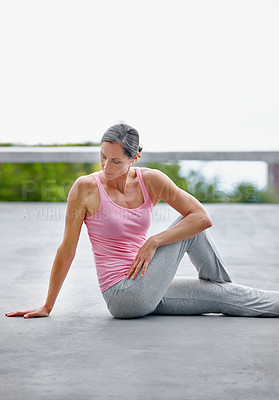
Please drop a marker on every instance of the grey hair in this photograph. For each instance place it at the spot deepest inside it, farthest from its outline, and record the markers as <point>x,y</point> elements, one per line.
<point>125,135</point>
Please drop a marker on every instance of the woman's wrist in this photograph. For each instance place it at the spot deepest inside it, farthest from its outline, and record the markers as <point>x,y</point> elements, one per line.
<point>48,308</point>
<point>154,241</point>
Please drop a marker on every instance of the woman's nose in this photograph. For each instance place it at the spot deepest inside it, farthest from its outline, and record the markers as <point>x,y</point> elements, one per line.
<point>106,165</point>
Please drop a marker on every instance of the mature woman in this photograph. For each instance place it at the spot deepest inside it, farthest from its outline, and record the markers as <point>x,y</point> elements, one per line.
<point>136,275</point>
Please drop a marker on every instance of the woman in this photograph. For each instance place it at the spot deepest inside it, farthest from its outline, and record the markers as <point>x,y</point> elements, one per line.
<point>136,275</point>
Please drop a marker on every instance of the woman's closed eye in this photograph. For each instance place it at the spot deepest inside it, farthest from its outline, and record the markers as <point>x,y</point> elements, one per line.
<point>114,161</point>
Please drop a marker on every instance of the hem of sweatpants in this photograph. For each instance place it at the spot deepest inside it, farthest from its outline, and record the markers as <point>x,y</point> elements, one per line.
<point>227,303</point>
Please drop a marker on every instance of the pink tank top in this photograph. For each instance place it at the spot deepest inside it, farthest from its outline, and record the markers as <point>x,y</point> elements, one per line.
<point>116,234</point>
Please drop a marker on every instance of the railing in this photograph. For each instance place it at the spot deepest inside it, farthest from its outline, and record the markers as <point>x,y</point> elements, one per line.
<point>90,154</point>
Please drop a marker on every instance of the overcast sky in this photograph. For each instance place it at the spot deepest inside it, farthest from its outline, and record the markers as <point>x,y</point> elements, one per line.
<point>188,75</point>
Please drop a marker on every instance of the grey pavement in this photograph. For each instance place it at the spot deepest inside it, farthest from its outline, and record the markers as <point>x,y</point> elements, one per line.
<point>81,352</point>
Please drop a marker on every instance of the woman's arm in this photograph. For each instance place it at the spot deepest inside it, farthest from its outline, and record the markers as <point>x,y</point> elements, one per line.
<point>196,219</point>
<point>75,213</point>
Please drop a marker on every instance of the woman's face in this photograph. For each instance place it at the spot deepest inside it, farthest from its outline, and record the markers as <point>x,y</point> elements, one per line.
<point>114,162</point>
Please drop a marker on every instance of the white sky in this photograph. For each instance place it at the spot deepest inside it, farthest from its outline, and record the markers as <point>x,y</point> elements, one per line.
<point>188,75</point>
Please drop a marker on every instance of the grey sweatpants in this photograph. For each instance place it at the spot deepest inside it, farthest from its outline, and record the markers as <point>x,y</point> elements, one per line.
<point>159,291</point>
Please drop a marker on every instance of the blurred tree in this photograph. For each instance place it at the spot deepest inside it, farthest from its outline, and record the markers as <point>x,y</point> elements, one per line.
<point>49,182</point>
<point>208,191</point>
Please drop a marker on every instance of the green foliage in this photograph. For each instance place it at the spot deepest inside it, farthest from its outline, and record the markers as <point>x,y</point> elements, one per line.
<point>194,183</point>
<point>205,191</point>
<point>51,182</point>
<point>48,182</point>
<point>247,192</point>
<point>244,192</point>
<point>268,196</point>
<point>209,192</point>
<point>172,171</point>
<point>41,181</point>
<point>49,145</point>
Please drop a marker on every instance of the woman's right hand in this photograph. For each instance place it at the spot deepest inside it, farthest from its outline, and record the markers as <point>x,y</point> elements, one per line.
<point>34,312</point>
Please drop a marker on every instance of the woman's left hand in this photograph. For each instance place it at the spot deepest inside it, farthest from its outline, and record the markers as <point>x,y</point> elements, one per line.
<point>143,258</point>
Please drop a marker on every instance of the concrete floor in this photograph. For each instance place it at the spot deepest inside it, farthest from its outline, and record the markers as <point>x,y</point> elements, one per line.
<point>81,352</point>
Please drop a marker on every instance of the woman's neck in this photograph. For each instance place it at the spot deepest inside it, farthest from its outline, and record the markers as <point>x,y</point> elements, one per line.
<point>119,183</point>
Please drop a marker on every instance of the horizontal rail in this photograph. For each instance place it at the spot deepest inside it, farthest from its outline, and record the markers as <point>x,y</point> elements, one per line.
<point>90,154</point>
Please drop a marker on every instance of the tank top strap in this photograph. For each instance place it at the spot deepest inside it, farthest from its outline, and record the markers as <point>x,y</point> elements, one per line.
<point>143,187</point>
<point>99,184</point>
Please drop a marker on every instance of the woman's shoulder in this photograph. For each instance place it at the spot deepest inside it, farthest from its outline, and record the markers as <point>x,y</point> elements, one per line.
<point>85,185</point>
<point>156,182</point>
<point>86,180</point>
<point>84,193</point>
<point>152,174</point>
